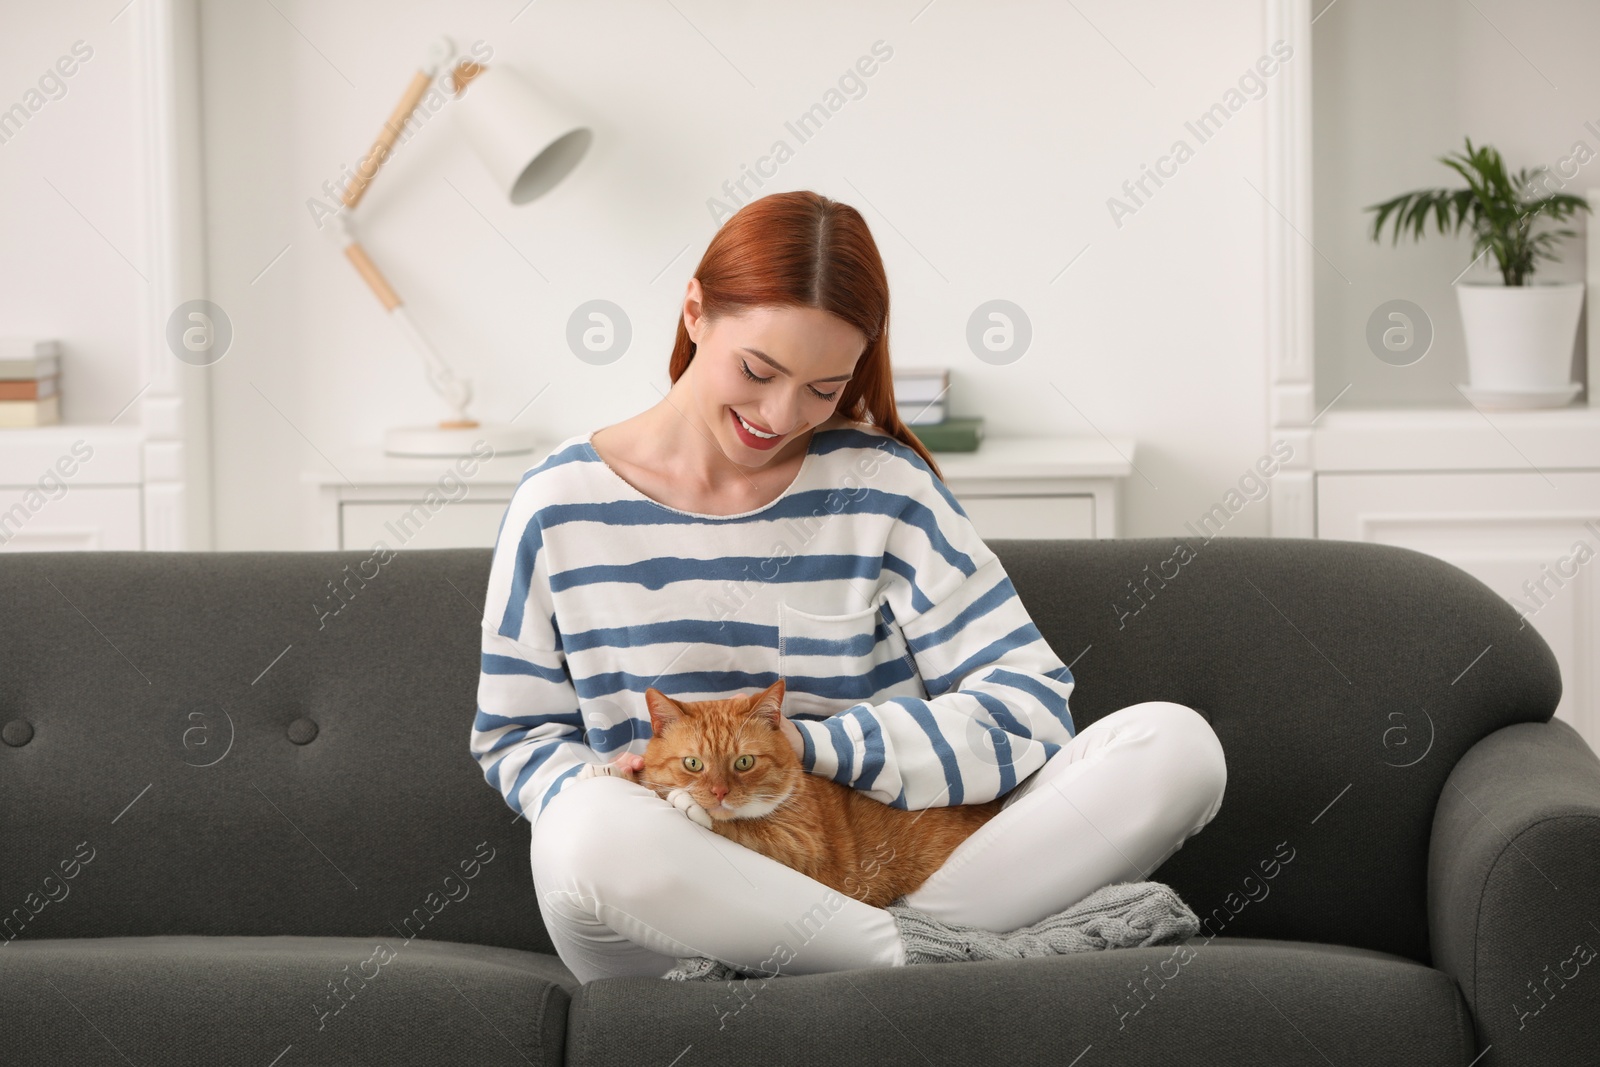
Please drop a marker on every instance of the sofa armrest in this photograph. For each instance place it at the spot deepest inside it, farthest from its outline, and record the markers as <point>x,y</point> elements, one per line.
<point>1514,893</point>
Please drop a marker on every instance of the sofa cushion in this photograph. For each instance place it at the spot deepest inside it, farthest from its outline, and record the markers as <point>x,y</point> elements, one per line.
<point>209,1000</point>
<point>1239,1001</point>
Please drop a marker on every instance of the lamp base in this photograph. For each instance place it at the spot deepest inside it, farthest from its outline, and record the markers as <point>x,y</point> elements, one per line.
<point>448,440</point>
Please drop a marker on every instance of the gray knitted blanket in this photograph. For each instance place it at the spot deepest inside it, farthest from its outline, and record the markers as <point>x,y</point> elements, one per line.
<point>1120,915</point>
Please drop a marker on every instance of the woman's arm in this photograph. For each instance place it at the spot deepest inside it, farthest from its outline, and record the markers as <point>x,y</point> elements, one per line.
<point>528,735</point>
<point>997,692</point>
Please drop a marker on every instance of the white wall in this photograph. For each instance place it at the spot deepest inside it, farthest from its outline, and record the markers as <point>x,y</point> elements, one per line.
<point>983,154</point>
<point>1395,87</point>
<point>74,258</point>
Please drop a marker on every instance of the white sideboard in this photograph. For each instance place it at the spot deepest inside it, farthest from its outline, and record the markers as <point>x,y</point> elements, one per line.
<point>1011,487</point>
<point>1507,496</point>
<point>71,487</point>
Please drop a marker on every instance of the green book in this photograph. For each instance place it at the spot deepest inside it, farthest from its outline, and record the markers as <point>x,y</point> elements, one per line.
<point>951,435</point>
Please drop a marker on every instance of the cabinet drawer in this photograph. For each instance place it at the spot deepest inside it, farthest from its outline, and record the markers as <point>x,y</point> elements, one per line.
<point>83,519</point>
<point>1422,509</point>
<point>409,524</point>
<point>1030,516</point>
<point>1526,538</point>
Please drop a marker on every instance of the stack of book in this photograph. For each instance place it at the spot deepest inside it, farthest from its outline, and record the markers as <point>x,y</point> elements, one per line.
<point>922,395</point>
<point>30,382</point>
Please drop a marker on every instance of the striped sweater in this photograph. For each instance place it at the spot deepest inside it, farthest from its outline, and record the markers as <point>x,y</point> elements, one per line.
<point>911,668</point>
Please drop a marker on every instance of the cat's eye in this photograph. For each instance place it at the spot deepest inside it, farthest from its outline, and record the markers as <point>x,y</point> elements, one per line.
<point>692,763</point>
<point>744,763</point>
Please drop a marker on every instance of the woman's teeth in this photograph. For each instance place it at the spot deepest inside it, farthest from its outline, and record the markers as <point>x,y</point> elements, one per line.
<point>753,431</point>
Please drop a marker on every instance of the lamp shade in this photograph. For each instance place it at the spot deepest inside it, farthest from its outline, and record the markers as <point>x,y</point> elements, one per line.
<point>527,144</point>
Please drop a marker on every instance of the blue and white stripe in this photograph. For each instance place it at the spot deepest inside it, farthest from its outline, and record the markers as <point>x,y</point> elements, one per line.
<point>911,667</point>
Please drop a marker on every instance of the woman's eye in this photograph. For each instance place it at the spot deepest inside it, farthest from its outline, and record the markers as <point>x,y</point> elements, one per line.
<point>746,368</point>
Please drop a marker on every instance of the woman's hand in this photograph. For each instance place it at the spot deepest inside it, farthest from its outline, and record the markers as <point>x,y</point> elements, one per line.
<point>626,765</point>
<point>792,733</point>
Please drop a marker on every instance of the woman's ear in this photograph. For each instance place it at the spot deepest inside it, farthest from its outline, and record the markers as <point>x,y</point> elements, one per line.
<point>694,310</point>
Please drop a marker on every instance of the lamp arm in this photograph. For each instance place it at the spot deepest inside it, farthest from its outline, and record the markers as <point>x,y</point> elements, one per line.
<point>455,392</point>
<point>367,169</point>
<point>438,54</point>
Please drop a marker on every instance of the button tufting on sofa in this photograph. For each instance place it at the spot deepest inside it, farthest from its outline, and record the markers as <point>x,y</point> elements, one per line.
<point>302,731</point>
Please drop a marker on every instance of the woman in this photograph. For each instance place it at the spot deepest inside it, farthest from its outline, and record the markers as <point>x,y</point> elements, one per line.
<point>772,515</point>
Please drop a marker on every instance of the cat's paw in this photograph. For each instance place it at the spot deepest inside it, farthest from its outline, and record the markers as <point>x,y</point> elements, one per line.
<point>680,799</point>
<point>621,767</point>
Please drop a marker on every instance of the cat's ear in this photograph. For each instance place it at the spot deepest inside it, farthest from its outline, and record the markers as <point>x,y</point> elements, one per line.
<point>664,711</point>
<point>769,703</point>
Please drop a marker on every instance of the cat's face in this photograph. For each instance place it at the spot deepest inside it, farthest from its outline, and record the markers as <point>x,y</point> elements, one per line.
<point>729,754</point>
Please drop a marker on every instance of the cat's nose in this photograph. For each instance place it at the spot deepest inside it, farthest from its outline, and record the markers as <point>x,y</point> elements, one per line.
<point>719,791</point>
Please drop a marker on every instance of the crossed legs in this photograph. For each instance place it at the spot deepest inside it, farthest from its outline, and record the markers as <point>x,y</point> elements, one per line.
<point>626,884</point>
<point>1111,806</point>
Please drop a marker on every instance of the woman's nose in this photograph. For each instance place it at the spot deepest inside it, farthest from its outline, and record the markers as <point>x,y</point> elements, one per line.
<point>785,417</point>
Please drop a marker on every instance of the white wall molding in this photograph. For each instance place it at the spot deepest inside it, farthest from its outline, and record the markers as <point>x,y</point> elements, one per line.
<point>174,407</point>
<point>1291,372</point>
<point>1591,298</point>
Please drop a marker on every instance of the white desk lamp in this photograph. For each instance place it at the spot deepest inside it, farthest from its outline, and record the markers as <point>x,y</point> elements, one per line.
<point>528,146</point>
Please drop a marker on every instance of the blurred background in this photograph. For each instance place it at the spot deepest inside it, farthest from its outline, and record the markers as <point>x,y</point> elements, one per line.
<point>1159,208</point>
<point>982,153</point>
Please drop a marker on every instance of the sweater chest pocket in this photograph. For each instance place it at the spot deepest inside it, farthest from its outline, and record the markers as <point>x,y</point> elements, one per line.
<point>830,662</point>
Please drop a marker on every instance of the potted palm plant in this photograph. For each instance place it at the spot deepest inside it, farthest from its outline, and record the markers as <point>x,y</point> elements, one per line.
<point>1519,334</point>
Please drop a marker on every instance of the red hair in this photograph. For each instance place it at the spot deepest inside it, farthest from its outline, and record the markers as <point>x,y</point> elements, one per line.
<point>802,249</point>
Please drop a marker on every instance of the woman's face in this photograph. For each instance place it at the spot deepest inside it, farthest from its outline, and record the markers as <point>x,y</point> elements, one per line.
<point>782,370</point>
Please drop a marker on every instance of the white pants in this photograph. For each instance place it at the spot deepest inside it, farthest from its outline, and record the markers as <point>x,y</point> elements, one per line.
<point>626,882</point>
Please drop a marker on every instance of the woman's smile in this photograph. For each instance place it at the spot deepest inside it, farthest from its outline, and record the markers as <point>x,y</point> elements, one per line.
<point>761,443</point>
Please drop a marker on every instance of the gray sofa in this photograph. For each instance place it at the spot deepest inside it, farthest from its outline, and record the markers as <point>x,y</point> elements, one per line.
<point>240,826</point>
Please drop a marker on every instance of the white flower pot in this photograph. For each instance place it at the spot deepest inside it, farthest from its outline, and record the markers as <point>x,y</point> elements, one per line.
<point>1520,337</point>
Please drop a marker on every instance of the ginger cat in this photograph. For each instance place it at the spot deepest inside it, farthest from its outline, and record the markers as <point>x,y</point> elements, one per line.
<point>769,803</point>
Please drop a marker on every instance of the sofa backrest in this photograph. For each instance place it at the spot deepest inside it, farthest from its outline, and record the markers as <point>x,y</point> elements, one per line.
<point>252,743</point>
<point>1344,679</point>
<point>268,743</point>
